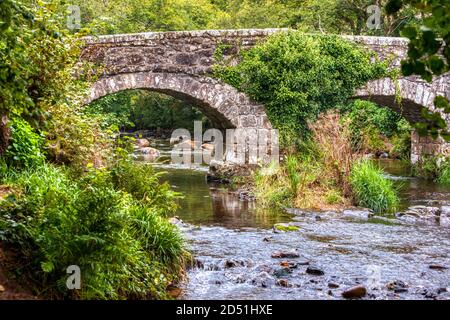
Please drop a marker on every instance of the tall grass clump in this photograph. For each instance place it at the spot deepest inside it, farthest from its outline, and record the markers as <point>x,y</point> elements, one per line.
<point>444,173</point>
<point>371,189</point>
<point>122,244</point>
<point>313,176</point>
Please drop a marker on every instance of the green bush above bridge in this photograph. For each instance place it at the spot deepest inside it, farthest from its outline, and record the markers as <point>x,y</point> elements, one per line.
<point>298,76</point>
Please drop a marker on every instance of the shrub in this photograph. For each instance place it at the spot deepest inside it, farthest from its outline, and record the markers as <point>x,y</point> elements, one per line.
<point>401,141</point>
<point>24,150</point>
<point>371,126</point>
<point>141,181</point>
<point>122,245</point>
<point>444,173</point>
<point>298,76</point>
<point>331,135</point>
<point>371,189</point>
<point>433,168</point>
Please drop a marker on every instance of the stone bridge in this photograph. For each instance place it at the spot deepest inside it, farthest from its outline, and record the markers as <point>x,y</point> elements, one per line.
<point>180,64</point>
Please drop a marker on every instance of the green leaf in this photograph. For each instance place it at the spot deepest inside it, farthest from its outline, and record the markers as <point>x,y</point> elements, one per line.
<point>409,32</point>
<point>47,266</point>
<point>441,102</point>
<point>436,65</point>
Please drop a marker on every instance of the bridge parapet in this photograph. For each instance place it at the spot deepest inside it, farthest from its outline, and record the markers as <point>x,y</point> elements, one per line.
<point>184,61</point>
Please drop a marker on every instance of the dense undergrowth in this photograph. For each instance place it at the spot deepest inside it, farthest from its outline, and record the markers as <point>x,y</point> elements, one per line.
<point>116,233</point>
<point>69,192</point>
<point>326,172</point>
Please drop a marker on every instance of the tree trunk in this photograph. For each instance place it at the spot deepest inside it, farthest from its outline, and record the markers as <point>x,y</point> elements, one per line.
<point>5,133</point>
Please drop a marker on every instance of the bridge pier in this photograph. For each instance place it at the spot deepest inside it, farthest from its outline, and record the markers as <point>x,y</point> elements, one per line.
<point>423,146</point>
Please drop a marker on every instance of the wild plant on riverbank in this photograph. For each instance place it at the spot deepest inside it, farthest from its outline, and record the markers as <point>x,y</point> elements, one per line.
<point>433,168</point>
<point>122,244</point>
<point>325,173</point>
<point>372,190</point>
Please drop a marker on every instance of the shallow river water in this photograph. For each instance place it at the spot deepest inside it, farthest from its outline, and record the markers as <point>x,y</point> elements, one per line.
<point>233,242</point>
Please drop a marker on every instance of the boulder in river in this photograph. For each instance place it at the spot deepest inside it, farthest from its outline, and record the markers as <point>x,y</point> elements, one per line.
<point>437,267</point>
<point>175,220</point>
<point>142,143</point>
<point>354,292</point>
<point>149,153</point>
<point>186,144</point>
<point>233,264</point>
<point>283,283</point>
<point>208,147</point>
<point>263,280</point>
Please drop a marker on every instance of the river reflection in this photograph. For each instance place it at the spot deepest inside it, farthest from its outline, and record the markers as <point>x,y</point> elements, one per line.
<point>204,204</point>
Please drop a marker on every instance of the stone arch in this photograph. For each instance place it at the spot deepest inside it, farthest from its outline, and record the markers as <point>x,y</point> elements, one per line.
<point>414,95</point>
<point>225,106</point>
<point>406,96</point>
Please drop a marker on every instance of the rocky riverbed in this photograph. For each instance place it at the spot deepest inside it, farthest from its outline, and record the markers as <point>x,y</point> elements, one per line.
<point>245,252</point>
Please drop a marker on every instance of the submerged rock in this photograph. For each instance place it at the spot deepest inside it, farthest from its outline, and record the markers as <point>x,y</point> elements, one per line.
<point>289,264</point>
<point>175,220</point>
<point>263,280</point>
<point>355,292</point>
<point>333,285</point>
<point>283,272</point>
<point>315,271</point>
<point>150,153</point>
<point>444,219</point>
<point>233,264</point>
<point>283,283</point>
<point>437,267</point>
<point>364,214</point>
<point>285,254</point>
<point>397,286</point>
<point>420,214</point>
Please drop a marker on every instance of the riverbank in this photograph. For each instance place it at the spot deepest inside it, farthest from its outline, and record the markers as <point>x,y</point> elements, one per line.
<point>240,255</point>
<point>9,288</point>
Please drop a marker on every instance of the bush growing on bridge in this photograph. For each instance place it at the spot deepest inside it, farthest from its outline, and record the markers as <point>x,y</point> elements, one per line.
<point>299,76</point>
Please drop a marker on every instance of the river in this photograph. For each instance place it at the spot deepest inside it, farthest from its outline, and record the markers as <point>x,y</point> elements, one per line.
<point>233,242</point>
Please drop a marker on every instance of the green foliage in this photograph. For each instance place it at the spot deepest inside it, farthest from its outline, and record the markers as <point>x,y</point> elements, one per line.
<point>333,197</point>
<point>370,125</point>
<point>292,173</point>
<point>38,58</point>
<point>433,168</point>
<point>122,245</point>
<point>365,113</point>
<point>298,76</point>
<point>371,189</point>
<point>24,150</point>
<point>138,109</point>
<point>113,111</point>
<point>401,141</point>
<point>444,173</point>
<point>141,181</point>
<point>154,110</point>
<point>424,58</point>
<point>114,16</point>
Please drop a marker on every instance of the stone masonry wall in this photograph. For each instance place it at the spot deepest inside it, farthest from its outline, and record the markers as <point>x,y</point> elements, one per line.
<point>180,64</point>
